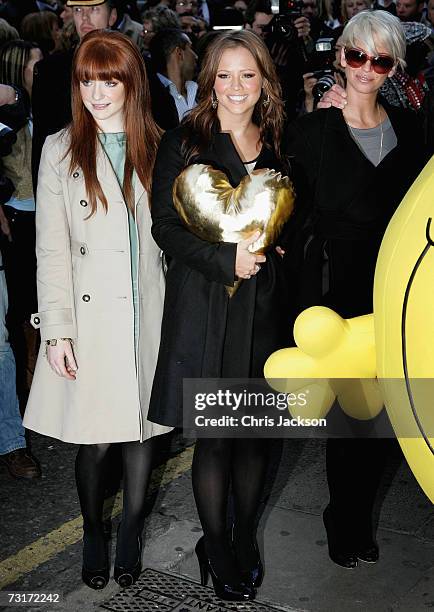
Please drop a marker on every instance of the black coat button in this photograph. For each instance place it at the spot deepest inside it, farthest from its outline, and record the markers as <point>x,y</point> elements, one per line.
<point>86,298</point>
<point>82,250</point>
<point>36,320</point>
<point>83,202</point>
<point>76,175</point>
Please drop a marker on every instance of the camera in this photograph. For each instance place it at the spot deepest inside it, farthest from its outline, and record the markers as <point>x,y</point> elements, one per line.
<point>321,65</point>
<point>285,13</point>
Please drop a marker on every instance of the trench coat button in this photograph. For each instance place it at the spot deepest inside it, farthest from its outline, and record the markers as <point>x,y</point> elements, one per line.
<point>86,298</point>
<point>36,320</point>
<point>82,250</point>
<point>83,202</point>
<point>76,175</point>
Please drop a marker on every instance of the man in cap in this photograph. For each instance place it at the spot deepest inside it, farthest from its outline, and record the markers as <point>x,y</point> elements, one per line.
<point>51,95</point>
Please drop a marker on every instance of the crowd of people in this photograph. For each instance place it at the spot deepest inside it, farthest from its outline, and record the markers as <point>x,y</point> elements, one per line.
<point>128,300</point>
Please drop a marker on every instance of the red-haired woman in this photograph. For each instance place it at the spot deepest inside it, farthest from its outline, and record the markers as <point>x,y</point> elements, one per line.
<point>236,128</point>
<point>100,291</point>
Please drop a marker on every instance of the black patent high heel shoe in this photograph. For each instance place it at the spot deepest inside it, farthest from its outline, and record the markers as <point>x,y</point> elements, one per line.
<point>369,552</point>
<point>228,592</point>
<point>346,559</point>
<point>255,575</point>
<point>127,576</point>
<point>96,579</point>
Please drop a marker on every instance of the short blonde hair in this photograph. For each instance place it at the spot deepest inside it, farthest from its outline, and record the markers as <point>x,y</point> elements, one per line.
<point>369,26</point>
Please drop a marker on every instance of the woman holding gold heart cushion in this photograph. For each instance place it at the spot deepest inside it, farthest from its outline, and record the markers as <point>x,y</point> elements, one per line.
<point>378,152</point>
<point>235,129</point>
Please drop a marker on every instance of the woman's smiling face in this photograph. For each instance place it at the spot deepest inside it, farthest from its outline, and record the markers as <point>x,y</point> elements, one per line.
<point>105,102</point>
<point>238,82</point>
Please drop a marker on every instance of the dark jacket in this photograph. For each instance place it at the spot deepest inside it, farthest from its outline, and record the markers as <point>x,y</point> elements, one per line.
<point>51,101</point>
<point>204,333</point>
<point>162,103</point>
<point>344,204</point>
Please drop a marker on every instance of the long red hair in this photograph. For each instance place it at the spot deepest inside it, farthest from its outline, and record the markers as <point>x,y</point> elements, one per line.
<point>103,56</point>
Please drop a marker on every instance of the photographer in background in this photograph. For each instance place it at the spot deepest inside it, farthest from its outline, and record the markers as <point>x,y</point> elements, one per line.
<point>13,451</point>
<point>287,36</point>
<point>326,70</point>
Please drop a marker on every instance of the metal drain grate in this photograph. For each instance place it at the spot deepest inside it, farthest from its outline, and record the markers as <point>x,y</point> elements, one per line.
<point>157,591</point>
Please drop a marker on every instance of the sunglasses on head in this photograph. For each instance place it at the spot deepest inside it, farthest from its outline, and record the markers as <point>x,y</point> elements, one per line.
<point>381,64</point>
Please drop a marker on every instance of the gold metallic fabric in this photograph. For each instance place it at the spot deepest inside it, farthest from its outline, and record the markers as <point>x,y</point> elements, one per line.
<point>215,211</point>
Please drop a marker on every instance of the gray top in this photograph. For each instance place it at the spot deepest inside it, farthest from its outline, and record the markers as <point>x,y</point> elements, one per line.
<point>369,140</point>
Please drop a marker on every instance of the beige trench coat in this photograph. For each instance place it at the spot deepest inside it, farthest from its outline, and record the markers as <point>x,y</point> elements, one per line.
<point>85,293</point>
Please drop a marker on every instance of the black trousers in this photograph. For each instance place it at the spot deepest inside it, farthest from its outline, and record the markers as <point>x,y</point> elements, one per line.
<point>19,259</point>
<point>354,471</point>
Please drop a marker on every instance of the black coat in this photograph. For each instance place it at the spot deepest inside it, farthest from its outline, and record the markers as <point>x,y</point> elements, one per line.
<point>204,333</point>
<point>344,204</point>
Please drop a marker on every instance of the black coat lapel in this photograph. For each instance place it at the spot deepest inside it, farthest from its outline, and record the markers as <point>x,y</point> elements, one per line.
<point>223,155</point>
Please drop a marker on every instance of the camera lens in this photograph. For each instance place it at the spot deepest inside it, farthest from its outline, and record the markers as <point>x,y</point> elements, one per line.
<point>321,86</point>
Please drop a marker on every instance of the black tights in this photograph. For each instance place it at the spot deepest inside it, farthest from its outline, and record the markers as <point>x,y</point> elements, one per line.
<point>90,473</point>
<point>217,464</point>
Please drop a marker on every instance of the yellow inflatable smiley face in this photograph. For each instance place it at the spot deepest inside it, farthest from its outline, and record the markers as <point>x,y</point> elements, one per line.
<point>404,326</point>
<point>398,345</point>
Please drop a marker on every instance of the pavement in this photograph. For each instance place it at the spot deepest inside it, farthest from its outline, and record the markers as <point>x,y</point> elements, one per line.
<point>40,533</point>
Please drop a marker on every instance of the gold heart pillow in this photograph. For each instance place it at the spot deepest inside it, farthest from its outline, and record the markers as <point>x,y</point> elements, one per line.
<point>217,212</point>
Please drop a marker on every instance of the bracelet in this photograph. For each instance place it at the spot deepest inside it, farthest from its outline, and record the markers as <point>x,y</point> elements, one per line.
<point>53,342</point>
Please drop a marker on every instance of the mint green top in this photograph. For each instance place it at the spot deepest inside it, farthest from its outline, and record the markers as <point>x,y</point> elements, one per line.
<point>115,145</point>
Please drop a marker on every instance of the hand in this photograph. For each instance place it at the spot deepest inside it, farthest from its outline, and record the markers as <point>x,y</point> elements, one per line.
<point>308,83</point>
<point>280,251</point>
<point>336,96</point>
<point>246,263</point>
<point>7,95</point>
<point>302,25</point>
<point>61,359</point>
<point>5,228</point>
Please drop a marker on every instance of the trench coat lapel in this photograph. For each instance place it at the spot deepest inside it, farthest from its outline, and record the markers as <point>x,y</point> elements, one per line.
<point>139,190</point>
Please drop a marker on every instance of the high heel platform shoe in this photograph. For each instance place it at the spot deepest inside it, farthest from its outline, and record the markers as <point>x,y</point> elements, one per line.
<point>346,559</point>
<point>254,576</point>
<point>369,552</point>
<point>127,576</point>
<point>96,579</point>
<point>238,591</point>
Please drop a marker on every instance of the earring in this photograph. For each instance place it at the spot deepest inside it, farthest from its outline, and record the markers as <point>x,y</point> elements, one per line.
<point>266,101</point>
<point>214,100</point>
